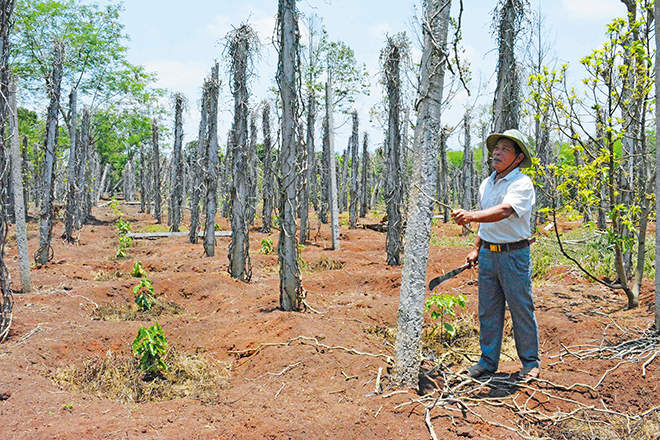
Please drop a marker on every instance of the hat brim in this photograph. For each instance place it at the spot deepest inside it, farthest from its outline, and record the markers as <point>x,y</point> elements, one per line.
<point>493,138</point>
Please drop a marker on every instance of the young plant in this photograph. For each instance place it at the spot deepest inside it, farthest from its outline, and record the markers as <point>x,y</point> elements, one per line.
<point>301,263</point>
<point>266,246</point>
<point>123,227</point>
<point>144,295</point>
<point>445,307</point>
<point>138,271</point>
<point>150,345</point>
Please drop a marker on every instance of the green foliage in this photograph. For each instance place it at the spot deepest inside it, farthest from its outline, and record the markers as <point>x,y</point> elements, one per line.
<point>444,306</point>
<point>150,345</point>
<point>138,271</point>
<point>123,228</point>
<point>301,263</point>
<point>266,246</point>
<point>144,295</point>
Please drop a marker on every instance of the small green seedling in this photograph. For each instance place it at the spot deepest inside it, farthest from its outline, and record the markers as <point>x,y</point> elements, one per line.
<point>150,345</point>
<point>266,246</point>
<point>138,271</point>
<point>123,227</point>
<point>445,307</point>
<point>144,295</point>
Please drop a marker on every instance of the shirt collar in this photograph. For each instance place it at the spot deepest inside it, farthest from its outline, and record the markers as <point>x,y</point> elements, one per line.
<point>514,173</point>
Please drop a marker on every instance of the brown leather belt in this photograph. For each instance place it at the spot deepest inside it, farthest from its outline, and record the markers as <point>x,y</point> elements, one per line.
<point>505,247</point>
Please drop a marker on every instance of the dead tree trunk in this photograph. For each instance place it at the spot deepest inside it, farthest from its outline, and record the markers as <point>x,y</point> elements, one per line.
<point>325,174</point>
<point>468,165</point>
<point>364,194</point>
<point>291,291</point>
<point>392,56</point>
<point>212,88</point>
<point>343,180</point>
<point>506,103</point>
<point>71,194</point>
<point>176,185</point>
<point>44,253</point>
<point>241,45</point>
<point>354,202</point>
<point>17,180</point>
<point>267,212</point>
<point>332,172</point>
<point>157,195</point>
<point>253,168</point>
<point>420,210</point>
<point>198,158</point>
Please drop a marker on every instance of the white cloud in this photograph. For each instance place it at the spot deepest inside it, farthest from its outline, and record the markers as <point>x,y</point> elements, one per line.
<point>593,9</point>
<point>177,75</point>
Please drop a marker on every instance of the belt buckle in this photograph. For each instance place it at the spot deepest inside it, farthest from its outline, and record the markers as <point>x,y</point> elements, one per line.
<point>495,248</point>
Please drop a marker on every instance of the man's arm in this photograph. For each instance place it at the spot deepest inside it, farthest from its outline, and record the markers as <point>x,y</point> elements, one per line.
<point>490,215</point>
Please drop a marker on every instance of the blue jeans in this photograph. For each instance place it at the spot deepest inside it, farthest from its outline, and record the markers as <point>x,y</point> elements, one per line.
<point>507,276</point>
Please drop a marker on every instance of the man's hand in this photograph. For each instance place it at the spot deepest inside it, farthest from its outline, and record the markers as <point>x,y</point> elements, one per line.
<point>462,217</point>
<point>473,257</point>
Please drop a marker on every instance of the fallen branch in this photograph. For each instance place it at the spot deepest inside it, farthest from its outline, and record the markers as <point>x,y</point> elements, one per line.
<point>258,348</point>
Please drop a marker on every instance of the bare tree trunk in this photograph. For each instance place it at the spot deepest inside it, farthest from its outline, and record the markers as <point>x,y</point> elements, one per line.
<point>198,158</point>
<point>27,174</point>
<point>253,168</point>
<point>156,166</point>
<point>176,186</point>
<point>332,172</point>
<point>291,291</point>
<point>506,103</point>
<point>239,247</point>
<point>71,194</point>
<point>324,210</point>
<point>17,179</point>
<point>343,181</point>
<point>267,213</point>
<point>393,191</point>
<point>407,349</point>
<point>657,167</point>
<point>468,165</point>
<point>364,195</point>
<point>310,174</point>
<point>212,88</point>
<point>355,144</point>
<point>54,83</point>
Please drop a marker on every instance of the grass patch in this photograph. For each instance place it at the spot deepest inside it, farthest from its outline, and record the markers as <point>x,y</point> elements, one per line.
<point>111,275</point>
<point>156,228</point>
<point>323,264</point>
<point>452,241</point>
<point>591,248</point>
<point>108,312</point>
<point>588,425</point>
<point>197,376</point>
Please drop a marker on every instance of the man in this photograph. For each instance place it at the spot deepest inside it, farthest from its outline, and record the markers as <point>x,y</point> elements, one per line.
<point>502,251</point>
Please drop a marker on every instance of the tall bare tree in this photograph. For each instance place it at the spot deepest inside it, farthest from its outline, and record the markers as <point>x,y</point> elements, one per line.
<point>242,44</point>
<point>391,58</point>
<point>509,15</point>
<point>329,144</point>
<point>267,207</point>
<point>71,179</point>
<point>198,159</point>
<point>53,85</point>
<point>435,24</point>
<point>288,76</point>
<point>364,193</point>
<point>176,176</point>
<point>212,88</point>
<point>355,148</point>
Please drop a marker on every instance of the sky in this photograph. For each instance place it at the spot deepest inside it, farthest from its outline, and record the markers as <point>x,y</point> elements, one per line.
<point>181,41</point>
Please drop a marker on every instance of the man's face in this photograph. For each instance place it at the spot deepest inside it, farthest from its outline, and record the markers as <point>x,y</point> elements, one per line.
<point>504,155</point>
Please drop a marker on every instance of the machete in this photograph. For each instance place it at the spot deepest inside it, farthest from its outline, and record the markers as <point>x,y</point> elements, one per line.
<point>435,282</point>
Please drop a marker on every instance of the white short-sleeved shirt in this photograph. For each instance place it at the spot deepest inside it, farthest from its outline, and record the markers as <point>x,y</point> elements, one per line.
<point>517,190</point>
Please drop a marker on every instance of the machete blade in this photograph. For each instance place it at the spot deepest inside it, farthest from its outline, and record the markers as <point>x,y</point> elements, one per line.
<point>435,282</point>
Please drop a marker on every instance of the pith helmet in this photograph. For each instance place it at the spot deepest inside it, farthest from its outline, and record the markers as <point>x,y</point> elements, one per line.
<point>516,137</point>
